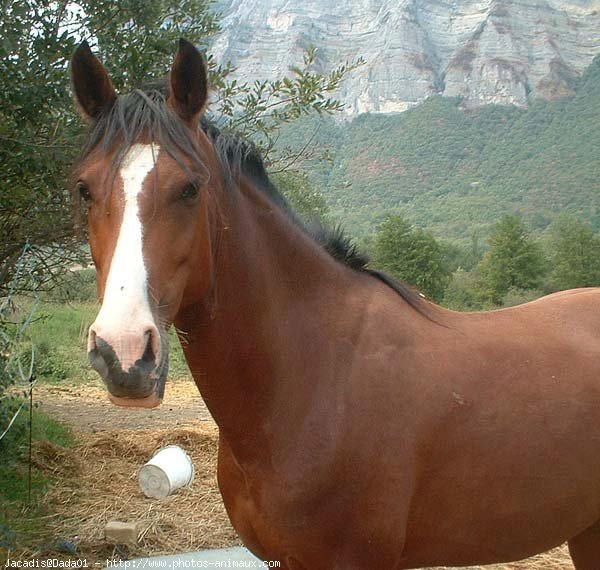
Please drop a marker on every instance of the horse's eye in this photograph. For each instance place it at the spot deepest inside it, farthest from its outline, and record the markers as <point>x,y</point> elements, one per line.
<point>84,191</point>
<point>189,191</point>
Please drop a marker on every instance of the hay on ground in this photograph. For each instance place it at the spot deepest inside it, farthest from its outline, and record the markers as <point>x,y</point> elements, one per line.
<point>98,483</point>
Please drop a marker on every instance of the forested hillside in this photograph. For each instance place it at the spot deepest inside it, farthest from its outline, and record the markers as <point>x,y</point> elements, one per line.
<point>456,171</point>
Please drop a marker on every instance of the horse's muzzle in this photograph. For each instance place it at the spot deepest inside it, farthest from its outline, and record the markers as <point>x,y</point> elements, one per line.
<point>141,384</point>
<point>152,401</point>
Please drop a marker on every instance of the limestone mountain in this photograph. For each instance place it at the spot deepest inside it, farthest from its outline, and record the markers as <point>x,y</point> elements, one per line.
<point>485,51</point>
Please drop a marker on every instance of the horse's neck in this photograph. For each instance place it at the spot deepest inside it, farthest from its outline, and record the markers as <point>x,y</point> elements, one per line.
<point>277,302</point>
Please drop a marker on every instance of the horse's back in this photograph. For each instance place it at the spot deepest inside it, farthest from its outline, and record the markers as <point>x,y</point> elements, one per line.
<point>516,425</point>
<point>585,298</point>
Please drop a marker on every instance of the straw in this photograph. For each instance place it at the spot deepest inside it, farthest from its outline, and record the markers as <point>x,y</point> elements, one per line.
<point>98,482</point>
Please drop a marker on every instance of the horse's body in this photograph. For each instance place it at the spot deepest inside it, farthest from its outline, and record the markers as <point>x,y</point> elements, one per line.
<point>360,426</point>
<point>358,433</point>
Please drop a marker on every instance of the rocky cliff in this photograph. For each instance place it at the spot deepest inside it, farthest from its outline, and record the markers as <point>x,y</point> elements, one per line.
<point>487,51</point>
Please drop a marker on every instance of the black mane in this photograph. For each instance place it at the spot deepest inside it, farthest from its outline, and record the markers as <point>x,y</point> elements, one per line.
<point>144,113</point>
<point>239,155</point>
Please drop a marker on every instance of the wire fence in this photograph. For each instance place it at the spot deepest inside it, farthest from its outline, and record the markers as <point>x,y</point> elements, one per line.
<point>17,366</point>
<point>30,382</point>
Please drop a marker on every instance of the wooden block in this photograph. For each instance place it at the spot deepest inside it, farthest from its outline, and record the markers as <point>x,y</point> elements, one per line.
<point>119,532</point>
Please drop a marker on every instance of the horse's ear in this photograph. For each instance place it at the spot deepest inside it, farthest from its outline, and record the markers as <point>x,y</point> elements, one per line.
<point>189,82</point>
<point>94,91</point>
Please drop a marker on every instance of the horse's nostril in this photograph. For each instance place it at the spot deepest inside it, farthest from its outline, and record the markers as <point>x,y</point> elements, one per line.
<point>152,346</point>
<point>148,350</point>
<point>120,349</point>
<point>91,340</point>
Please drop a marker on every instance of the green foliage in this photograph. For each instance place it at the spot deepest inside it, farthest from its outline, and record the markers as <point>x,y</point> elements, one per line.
<point>515,296</point>
<point>44,429</point>
<point>455,171</point>
<point>574,253</point>
<point>79,285</point>
<point>37,139</point>
<point>58,333</point>
<point>514,260</point>
<point>7,537</point>
<point>464,292</point>
<point>258,111</point>
<point>147,34</point>
<point>302,196</point>
<point>16,316</point>
<point>458,255</point>
<point>412,255</point>
<point>20,520</point>
<point>513,270</point>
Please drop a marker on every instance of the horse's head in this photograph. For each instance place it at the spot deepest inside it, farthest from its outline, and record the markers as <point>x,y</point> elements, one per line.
<point>140,177</point>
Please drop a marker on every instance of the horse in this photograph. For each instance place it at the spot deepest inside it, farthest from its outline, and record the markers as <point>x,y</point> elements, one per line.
<point>360,425</point>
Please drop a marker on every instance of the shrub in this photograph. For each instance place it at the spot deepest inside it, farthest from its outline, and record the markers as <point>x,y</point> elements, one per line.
<point>516,296</point>
<point>74,286</point>
<point>412,255</point>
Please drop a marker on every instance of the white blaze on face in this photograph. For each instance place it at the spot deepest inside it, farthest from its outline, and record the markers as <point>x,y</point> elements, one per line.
<point>125,317</point>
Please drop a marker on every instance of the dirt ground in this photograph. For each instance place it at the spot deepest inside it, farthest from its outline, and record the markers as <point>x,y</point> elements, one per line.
<point>86,407</point>
<point>98,479</point>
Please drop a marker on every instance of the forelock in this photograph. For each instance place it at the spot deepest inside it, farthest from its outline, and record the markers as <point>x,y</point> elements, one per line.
<point>144,116</point>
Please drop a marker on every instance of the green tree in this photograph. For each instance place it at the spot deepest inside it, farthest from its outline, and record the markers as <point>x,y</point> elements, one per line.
<point>412,255</point>
<point>308,202</point>
<point>574,254</point>
<point>514,260</point>
<point>463,292</point>
<point>38,140</point>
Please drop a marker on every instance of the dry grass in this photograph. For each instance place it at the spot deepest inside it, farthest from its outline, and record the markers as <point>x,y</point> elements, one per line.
<point>98,483</point>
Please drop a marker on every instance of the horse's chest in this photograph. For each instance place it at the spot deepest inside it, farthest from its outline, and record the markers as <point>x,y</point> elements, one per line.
<point>272,521</point>
<point>253,512</point>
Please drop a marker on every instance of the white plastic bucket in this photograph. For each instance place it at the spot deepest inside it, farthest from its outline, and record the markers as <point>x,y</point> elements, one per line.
<point>169,469</point>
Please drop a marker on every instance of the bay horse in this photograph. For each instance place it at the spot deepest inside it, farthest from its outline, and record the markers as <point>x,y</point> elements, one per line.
<point>361,426</point>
